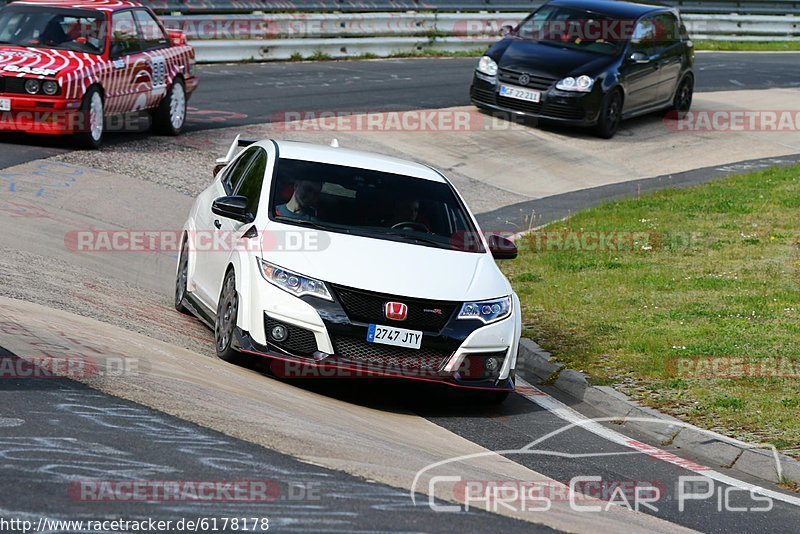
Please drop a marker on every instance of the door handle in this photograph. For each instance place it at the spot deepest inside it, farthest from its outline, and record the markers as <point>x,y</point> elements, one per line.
<point>218,224</point>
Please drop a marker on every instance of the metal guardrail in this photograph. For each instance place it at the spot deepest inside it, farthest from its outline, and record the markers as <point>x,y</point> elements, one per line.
<point>340,35</point>
<point>280,36</point>
<point>317,25</point>
<point>282,49</point>
<point>433,25</point>
<point>164,7</point>
<point>753,7</point>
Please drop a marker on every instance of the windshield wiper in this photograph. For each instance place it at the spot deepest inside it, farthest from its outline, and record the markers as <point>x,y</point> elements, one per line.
<point>416,239</point>
<point>312,224</point>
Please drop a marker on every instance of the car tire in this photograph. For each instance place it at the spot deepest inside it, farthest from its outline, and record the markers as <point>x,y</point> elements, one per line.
<point>682,101</point>
<point>181,280</point>
<point>92,127</point>
<point>610,115</point>
<point>225,321</point>
<point>169,117</point>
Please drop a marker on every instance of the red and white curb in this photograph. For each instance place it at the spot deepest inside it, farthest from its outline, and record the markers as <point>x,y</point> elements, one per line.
<point>576,419</point>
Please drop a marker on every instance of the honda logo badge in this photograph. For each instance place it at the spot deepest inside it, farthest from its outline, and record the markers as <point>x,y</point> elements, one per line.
<point>396,311</point>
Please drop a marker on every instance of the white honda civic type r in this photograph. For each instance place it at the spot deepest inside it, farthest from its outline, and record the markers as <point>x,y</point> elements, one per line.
<point>337,263</point>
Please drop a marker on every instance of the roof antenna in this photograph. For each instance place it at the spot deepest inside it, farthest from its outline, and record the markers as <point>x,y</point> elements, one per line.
<point>335,143</point>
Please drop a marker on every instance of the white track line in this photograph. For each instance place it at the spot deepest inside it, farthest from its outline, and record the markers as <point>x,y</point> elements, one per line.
<point>576,419</point>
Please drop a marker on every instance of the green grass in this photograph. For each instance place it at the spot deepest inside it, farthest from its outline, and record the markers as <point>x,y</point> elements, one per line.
<point>742,46</point>
<point>712,270</point>
<point>432,52</point>
<point>319,55</point>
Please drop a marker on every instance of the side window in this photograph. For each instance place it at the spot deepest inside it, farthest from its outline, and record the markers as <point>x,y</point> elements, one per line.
<point>666,30</point>
<point>124,35</point>
<point>253,182</point>
<point>644,37</point>
<point>233,176</point>
<point>152,34</point>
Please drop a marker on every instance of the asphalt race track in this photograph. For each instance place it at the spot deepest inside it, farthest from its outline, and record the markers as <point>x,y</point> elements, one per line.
<point>92,431</point>
<point>258,93</point>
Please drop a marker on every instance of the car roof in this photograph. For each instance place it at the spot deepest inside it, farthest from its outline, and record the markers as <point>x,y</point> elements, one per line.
<point>353,158</point>
<point>99,5</point>
<point>624,10</point>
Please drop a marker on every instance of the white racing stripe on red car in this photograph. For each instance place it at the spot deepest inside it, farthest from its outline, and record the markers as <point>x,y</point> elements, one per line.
<point>576,419</point>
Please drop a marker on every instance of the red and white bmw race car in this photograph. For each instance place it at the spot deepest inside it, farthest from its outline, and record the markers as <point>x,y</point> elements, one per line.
<point>67,65</point>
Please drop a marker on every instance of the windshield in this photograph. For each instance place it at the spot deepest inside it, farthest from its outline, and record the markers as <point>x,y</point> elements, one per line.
<point>79,30</point>
<point>372,204</point>
<point>577,29</point>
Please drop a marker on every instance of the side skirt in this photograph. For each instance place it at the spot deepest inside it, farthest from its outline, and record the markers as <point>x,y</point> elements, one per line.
<point>200,310</point>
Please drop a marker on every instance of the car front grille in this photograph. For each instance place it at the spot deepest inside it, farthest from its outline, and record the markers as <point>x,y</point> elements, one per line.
<point>368,307</point>
<point>519,105</point>
<point>483,95</point>
<point>300,341</point>
<point>563,111</point>
<point>384,357</point>
<point>537,82</point>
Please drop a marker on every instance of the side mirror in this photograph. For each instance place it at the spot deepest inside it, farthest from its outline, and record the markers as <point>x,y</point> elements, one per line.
<point>501,247</point>
<point>506,30</point>
<point>232,208</point>
<point>639,57</point>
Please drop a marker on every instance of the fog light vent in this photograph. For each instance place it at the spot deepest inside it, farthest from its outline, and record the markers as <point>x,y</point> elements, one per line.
<point>279,333</point>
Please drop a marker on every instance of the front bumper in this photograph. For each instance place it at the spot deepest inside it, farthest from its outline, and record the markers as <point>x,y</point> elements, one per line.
<point>577,109</point>
<point>328,340</point>
<point>41,115</point>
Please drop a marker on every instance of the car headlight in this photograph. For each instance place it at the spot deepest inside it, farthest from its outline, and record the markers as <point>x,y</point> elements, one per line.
<point>50,87</point>
<point>32,86</point>
<point>582,84</point>
<point>488,311</point>
<point>488,66</point>
<point>294,283</point>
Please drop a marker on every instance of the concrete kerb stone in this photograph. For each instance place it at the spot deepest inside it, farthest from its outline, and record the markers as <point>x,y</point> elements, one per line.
<point>723,453</point>
<point>536,365</point>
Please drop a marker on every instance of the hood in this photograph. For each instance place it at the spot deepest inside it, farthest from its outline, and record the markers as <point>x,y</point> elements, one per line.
<point>21,61</point>
<point>551,60</point>
<point>390,267</point>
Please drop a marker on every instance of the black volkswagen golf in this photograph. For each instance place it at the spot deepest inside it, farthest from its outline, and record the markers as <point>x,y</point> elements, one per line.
<point>589,63</point>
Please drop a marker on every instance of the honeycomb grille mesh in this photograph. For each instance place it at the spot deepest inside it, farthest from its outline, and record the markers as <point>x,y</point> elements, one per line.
<point>386,357</point>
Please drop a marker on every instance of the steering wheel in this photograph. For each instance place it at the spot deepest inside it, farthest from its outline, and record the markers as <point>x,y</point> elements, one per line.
<point>411,225</point>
